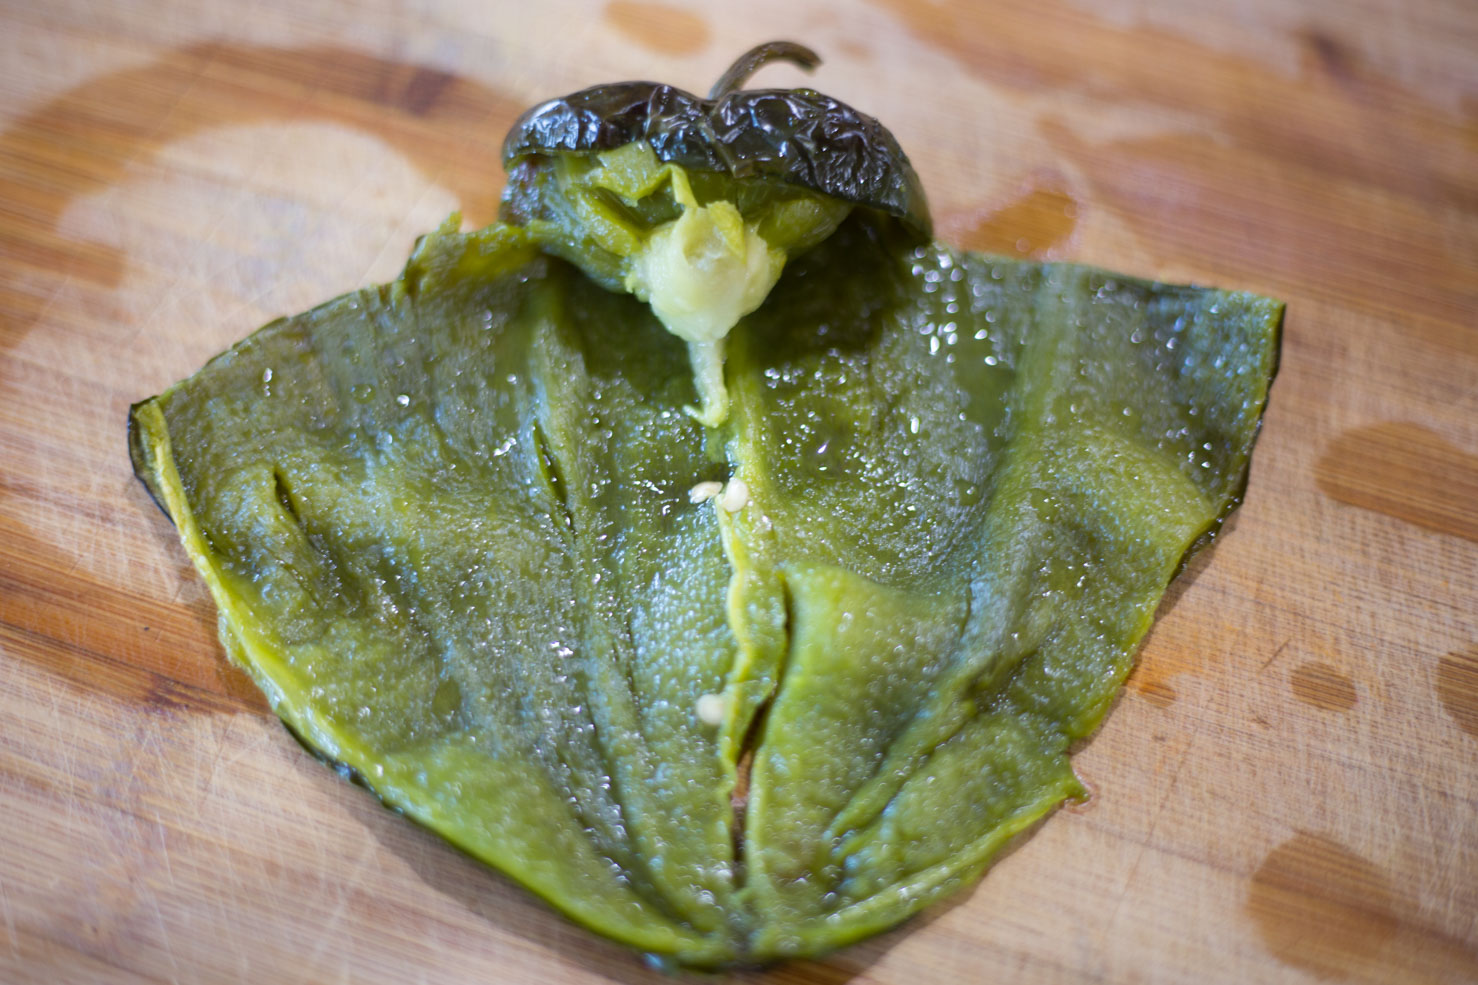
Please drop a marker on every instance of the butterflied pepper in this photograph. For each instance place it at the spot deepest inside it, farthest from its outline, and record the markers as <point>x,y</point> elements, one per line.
<point>701,545</point>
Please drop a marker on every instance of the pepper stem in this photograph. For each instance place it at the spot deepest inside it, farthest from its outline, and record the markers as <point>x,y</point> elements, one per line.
<point>755,58</point>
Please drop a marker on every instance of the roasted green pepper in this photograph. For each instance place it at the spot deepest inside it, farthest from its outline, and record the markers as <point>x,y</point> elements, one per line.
<point>462,533</point>
<point>694,205</point>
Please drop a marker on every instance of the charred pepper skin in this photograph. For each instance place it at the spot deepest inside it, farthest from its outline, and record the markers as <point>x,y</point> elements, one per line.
<point>797,136</point>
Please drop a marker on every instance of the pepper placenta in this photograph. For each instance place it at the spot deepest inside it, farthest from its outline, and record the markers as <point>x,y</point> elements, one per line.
<point>694,205</point>
<point>895,560</point>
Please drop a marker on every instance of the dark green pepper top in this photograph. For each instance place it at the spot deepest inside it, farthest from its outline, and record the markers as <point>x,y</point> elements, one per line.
<point>726,693</point>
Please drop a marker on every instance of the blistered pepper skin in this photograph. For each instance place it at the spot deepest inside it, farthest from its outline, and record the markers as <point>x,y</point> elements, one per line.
<point>794,136</point>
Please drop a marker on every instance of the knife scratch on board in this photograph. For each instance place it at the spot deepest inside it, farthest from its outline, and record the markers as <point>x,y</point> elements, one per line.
<point>165,940</point>
<point>66,773</point>
<point>1154,822</point>
<point>208,787</point>
<point>1276,654</point>
<point>346,889</point>
<point>12,939</point>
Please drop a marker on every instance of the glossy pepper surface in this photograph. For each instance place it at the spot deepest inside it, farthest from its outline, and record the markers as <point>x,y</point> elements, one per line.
<point>726,691</point>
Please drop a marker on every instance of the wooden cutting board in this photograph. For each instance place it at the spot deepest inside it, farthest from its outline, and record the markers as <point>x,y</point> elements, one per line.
<point>1288,789</point>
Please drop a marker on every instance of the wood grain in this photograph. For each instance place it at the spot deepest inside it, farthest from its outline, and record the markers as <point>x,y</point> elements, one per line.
<point>1287,791</point>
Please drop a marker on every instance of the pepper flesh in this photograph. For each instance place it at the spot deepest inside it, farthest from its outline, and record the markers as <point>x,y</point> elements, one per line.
<point>703,250</point>
<point>448,526</point>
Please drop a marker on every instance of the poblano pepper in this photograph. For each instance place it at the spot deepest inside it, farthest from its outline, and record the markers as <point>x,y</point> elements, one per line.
<point>743,682</point>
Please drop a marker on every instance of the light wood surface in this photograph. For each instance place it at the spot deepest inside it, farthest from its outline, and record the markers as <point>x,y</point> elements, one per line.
<point>1288,789</point>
